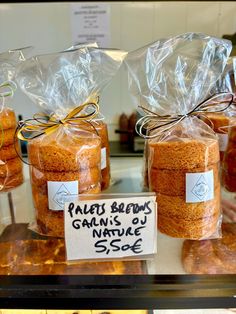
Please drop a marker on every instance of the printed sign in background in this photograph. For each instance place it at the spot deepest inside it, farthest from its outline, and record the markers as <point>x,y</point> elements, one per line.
<point>110,228</point>
<point>90,22</point>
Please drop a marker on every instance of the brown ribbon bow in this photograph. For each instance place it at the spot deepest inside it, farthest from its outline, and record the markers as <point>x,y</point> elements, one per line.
<point>154,122</point>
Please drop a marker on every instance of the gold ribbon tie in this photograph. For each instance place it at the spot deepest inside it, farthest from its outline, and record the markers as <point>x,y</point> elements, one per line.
<point>43,123</point>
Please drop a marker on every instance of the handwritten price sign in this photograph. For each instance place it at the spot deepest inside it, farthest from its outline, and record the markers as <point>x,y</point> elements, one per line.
<point>110,228</point>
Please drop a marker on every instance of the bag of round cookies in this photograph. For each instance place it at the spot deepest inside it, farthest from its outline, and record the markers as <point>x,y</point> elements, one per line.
<point>169,80</point>
<point>11,169</point>
<point>228,171</point>
<point>220,122</point>
<point>64,148</point>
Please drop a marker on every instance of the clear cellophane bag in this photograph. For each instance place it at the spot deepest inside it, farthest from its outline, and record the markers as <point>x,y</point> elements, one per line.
<point>168,79</point>
<point>68,160</point>
<point>11,169</point>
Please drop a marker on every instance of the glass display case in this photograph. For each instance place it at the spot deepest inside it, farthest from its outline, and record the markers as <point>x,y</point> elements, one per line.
<point>159,283</point>
<point>34,271</point>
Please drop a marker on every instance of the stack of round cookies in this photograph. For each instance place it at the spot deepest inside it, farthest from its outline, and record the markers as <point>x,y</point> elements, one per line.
<point>229,163</point>
<point>170,162</point>
<point>11,174</point>
<point>67,156</point>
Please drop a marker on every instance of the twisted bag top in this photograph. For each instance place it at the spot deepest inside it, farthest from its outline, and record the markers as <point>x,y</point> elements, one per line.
<point>60,82</point>
<point>172,76</point>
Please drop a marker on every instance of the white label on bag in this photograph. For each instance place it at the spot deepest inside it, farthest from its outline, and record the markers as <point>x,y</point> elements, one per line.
<point>57,190</point>
<point>234,66</point>
<point>199,187</point>
<point>103,158</point>
<point>110,228</point>
<point>223,141</point>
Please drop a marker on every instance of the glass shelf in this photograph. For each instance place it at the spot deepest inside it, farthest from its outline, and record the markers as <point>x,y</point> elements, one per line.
<point>160,283</point>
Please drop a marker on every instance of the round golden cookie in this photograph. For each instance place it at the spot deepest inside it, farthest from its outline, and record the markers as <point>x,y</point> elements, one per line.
<point>197,229</point>
<point>211,256</point>
<point>48,257</point>
<point>216,121</point>
<point>176,207</point>
<point>198,257</point>
<point>8,137</point>
<point>232,134</point>
<point>11,168</point>
<point>8,119</point>
<point>67,149</point>
<point>51,222</point>
<point>228,181</point>
<point>85,178</point>
<point>106,177</point>
<point>189,154</point>
<point>225,247</point>
<point>229,162</point>
<point>9,152</point>
<point>11,182</point>
<point>173,182</point>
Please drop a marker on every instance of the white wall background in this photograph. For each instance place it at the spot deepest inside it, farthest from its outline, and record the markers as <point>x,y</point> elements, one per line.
<point>46,26</point>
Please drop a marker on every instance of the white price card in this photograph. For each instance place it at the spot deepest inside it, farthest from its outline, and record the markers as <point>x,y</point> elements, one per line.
<point>111,228</point>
